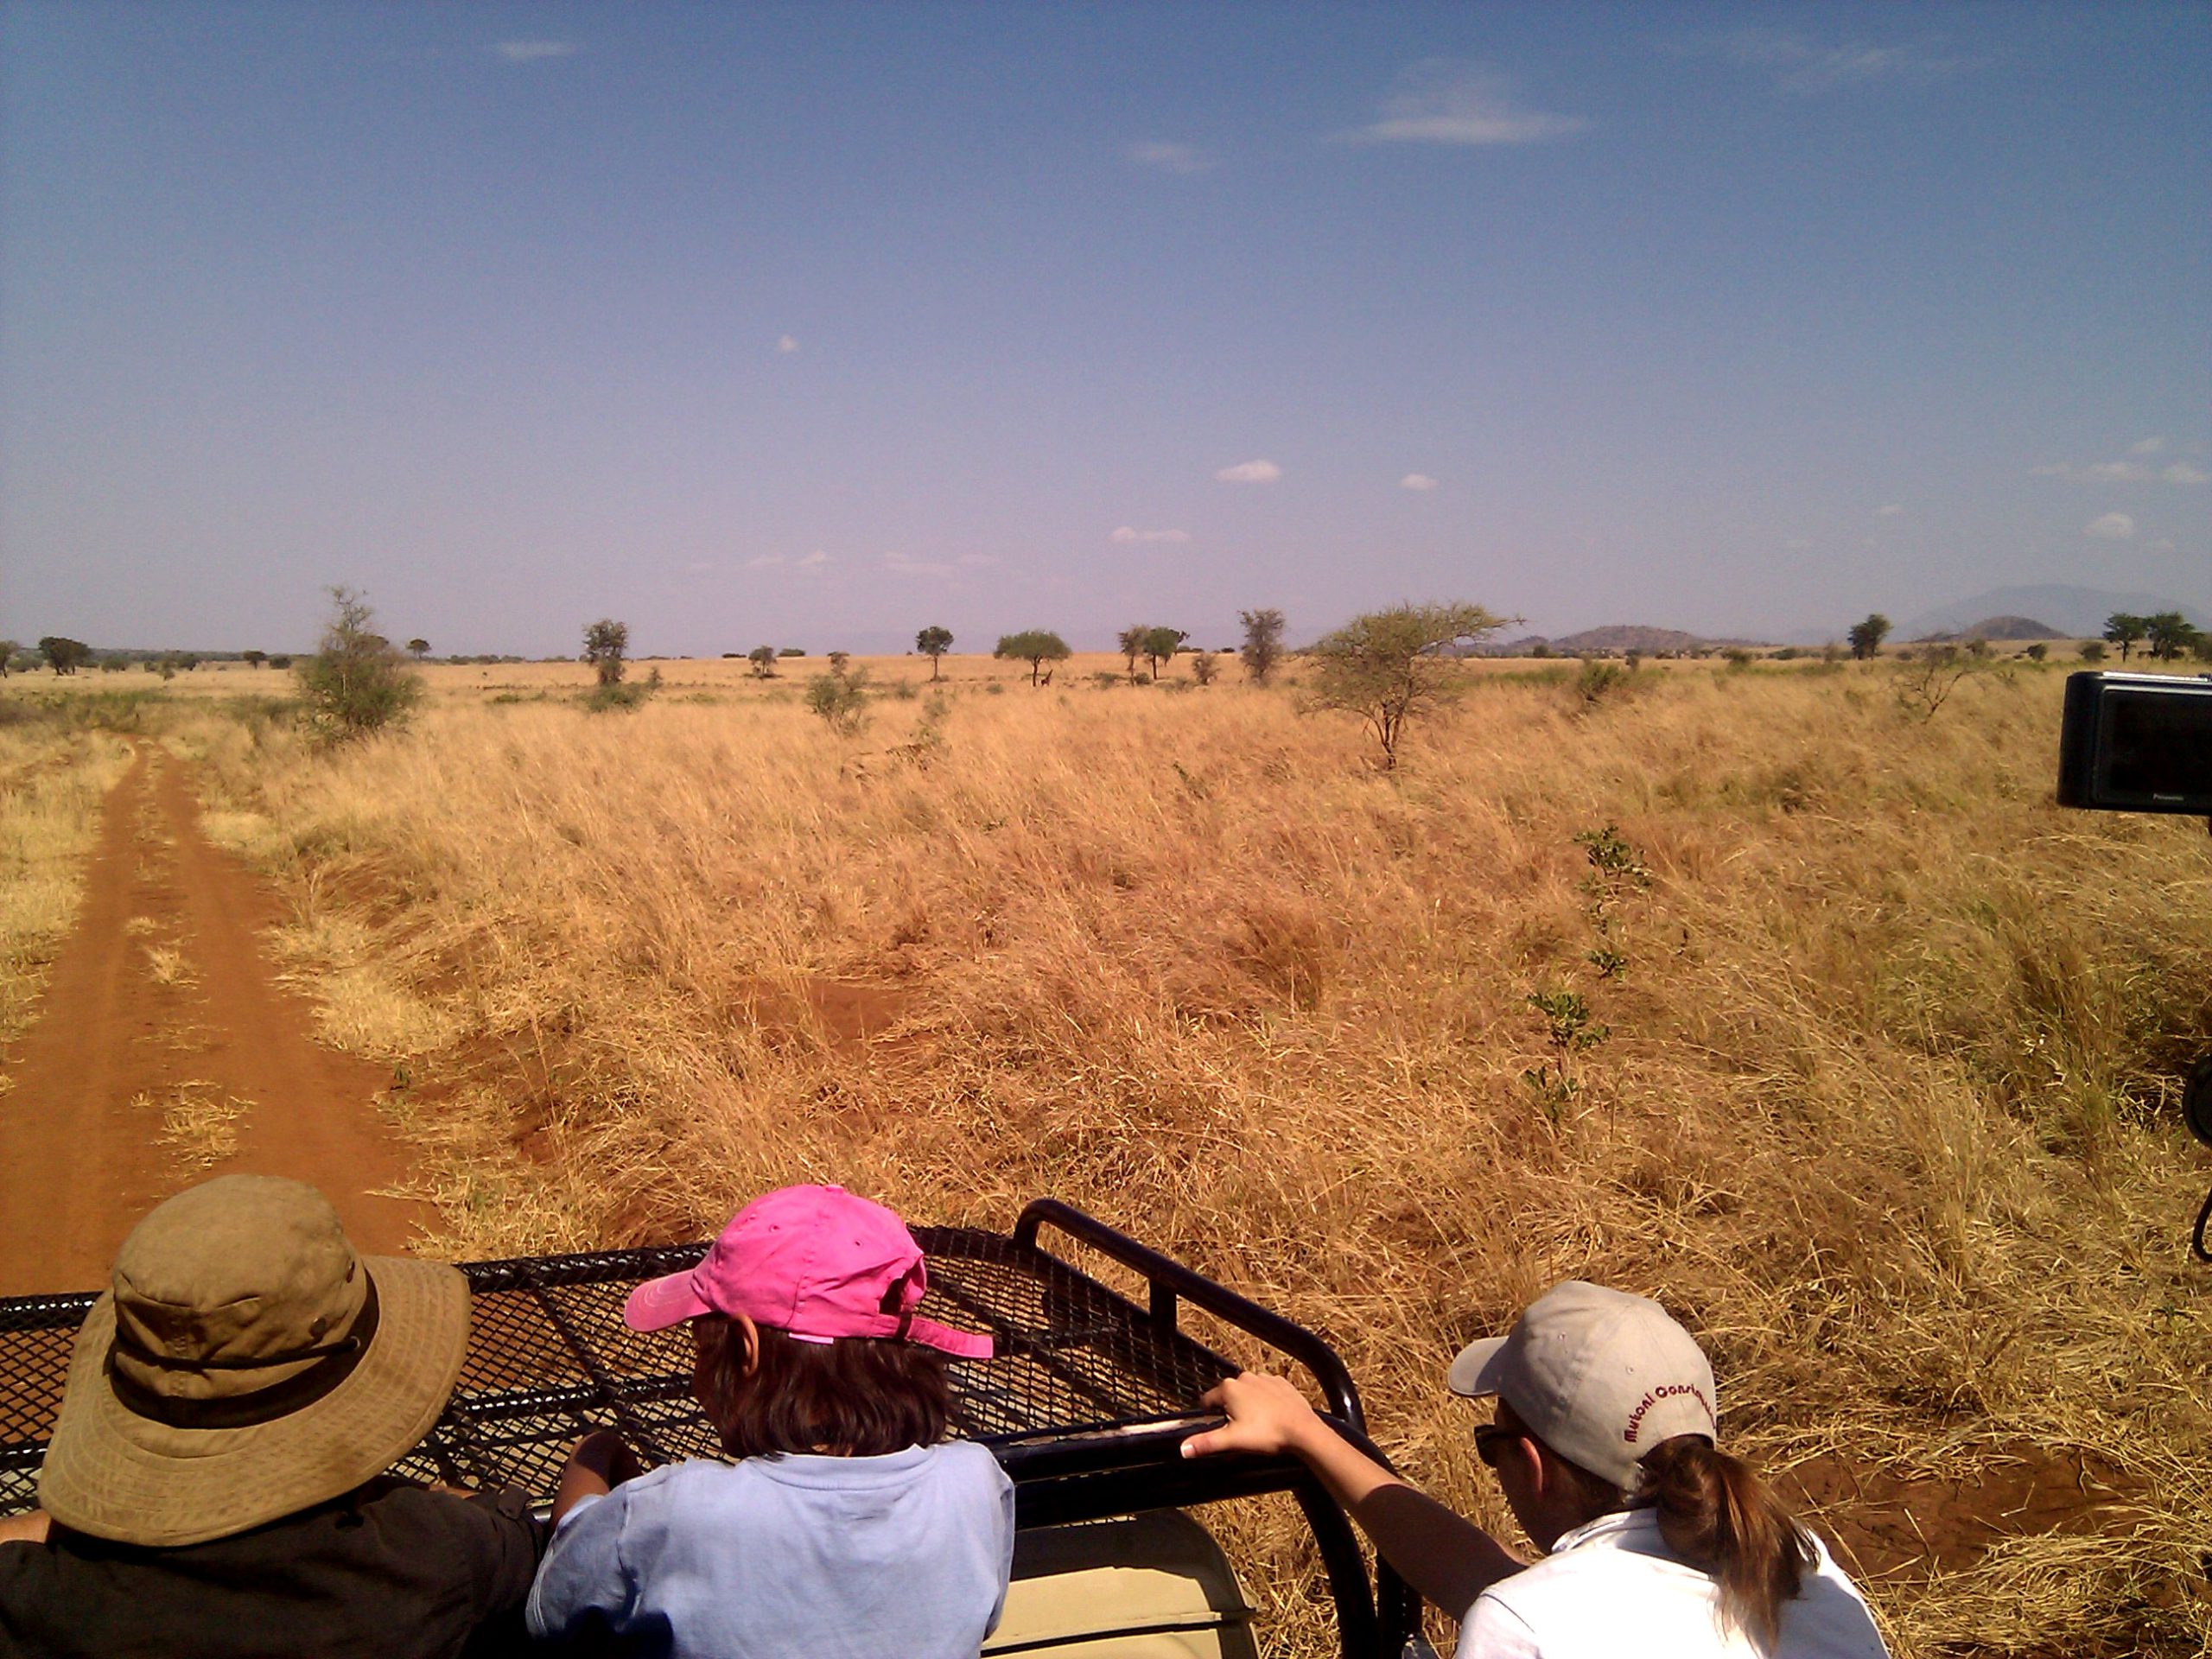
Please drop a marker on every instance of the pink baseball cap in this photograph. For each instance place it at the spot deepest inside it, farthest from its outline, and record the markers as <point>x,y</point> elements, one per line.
<point>815,1262</point>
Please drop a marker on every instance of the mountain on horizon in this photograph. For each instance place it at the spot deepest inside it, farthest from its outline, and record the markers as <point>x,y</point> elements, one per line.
<point>2076,613</point>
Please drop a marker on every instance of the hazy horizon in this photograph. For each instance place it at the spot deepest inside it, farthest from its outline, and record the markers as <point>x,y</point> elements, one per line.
<point>814,324</point>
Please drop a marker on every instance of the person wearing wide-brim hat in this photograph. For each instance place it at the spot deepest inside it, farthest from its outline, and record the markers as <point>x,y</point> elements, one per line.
<point>1657,1543</point>
<point>215,1482</point>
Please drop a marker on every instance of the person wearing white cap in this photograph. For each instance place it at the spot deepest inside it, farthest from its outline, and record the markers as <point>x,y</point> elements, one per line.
<point>1657,1543</point>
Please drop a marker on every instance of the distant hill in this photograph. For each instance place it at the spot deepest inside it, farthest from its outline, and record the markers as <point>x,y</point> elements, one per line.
<point>2068,612</point>
<point>2002,627</point>
<point>1613,636</point>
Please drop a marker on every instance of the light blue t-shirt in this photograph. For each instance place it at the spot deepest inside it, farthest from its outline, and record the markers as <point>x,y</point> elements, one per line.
<point>906,1554</point>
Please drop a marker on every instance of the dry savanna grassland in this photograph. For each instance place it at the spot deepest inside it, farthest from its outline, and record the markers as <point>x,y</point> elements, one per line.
<point>1746,988</point>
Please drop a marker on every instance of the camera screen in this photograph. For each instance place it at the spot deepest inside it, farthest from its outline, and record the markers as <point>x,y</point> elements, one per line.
<point>2158,747</point>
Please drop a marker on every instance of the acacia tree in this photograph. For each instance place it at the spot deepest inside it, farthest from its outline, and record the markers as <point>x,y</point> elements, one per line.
<point>1160,644</point>
<point>1866,637</point>
<point>254,658</point>
<point>64,655</point>
<point>2124,631</point>
<point>1205,664</point>
<point>933,642</point>
<point>763,659</point>
<point>1131,641</point>
<point>1389,666</point>
<point>8,649</point>
<point>1262,647</point>
<point>419,649</point>
<point>605,642</point>
<point>1035,647</point>
<point>355,683</point>
<point>2169,633</point>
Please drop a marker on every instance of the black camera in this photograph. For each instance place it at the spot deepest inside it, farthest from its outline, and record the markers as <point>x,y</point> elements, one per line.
<point>2137,743</point>
<point>2142,743</point>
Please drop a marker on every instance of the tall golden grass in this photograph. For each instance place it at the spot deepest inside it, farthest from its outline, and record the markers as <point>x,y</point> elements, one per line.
<point>1886,1111</point>
<point>53,776</point>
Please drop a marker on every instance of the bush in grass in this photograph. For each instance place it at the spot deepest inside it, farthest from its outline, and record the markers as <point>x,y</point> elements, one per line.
<point>841,700</point>
<point>356,683</point>
<point>606,641</point>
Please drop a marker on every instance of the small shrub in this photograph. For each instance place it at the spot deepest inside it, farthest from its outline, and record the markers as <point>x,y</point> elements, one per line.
<point>2093,651</point>
<point>356,685</point>
<point>841,700</point>
<point>1599,680</point>
<point>605,699</point>
<point>1928,675</point>
<point>1203,667</point>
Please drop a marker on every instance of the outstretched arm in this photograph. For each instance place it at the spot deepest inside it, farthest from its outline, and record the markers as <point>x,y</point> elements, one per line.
<point>600,1463</point>
<point>1445,1557</point>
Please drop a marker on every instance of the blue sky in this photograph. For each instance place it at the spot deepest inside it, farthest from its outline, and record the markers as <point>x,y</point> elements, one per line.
<point>816,324</point>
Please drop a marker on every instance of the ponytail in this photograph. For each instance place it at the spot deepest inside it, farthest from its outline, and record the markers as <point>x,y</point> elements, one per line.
<point>1719,1516</point>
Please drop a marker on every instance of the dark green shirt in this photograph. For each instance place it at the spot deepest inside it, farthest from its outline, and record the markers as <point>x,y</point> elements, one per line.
<point>389,1570</point>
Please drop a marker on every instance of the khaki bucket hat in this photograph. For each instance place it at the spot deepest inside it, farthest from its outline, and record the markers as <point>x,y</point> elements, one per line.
<point>247,1363</point>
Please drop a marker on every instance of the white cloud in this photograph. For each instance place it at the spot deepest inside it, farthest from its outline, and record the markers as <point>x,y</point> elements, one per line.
<point>1125,533</point>
<point>899,564</point>
<point>815,560</point>
<point>1441,101</point>
<point>1416,481</point>
<point>975,559</point>
<point>699,567</point>
<point>2126,472</point>
<point>2113,527</point>
<point>786,344</point>
<point>1895,510</point>
<point>2164,544</point>
<point>535,51</point>
<point>1798,65</point>
<point>764,560</point>
<point>1250,472</point>
<point>1184,159</point>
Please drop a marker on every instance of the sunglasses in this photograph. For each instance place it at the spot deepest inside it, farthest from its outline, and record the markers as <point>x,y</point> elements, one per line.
<point>1490,1441</point>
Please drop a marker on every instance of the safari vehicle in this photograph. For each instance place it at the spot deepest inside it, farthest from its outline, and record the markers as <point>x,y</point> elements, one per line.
<point>1086,1403</point>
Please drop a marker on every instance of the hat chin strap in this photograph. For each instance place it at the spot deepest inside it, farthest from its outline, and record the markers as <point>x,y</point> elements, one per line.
<point>333,1364</point>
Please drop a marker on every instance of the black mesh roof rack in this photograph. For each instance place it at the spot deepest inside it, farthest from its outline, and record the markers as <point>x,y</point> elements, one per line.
<point>1085,1400</point>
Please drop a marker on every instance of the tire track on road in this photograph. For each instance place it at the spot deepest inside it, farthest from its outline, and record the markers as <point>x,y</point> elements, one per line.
<point>164,1051</point>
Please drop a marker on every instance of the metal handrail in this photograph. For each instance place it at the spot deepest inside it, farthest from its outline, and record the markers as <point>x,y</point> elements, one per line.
<point>1169,1279</point>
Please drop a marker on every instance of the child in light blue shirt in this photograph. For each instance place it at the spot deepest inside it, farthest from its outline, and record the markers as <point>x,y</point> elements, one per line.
<point>849,1525</point>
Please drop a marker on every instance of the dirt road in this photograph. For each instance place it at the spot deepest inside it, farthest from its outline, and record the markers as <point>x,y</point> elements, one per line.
<point>164,1051</point>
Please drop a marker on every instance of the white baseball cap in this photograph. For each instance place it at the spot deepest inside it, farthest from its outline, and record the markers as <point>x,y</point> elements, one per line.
<point>1598,1375</point>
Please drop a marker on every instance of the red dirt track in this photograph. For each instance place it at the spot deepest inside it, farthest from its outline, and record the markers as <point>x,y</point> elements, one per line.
<point>125,1036</point>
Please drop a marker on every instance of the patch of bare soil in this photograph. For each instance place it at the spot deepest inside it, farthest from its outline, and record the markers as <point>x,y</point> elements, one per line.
<point>1883,1526</point>
<point>165,1051</point>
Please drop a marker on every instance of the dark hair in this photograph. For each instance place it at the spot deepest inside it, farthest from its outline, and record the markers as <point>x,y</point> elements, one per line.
<point>1718,1515</point>
<point>859,1396</point>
